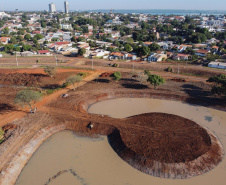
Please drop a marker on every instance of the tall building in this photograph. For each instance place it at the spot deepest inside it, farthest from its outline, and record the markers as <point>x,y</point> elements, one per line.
<point>52,8</point>
<point>66,9</point>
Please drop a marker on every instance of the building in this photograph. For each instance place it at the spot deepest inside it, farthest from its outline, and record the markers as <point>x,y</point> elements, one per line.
<point>66,26</point>
<point>181,57</point>
<point>219,65</point>
<point>155,57</point>
<point>4,40</point>
<point>66,8</point>
<point>52,8</point>
<point>202,52</point>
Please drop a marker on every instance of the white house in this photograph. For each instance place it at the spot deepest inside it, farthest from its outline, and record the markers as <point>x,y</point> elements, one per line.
<point>66,26</point>
<point>99,53</point>
<point>219,65</point>
<point>155,57</point>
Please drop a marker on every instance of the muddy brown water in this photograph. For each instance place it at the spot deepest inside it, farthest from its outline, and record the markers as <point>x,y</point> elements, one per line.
<point>94,162</point>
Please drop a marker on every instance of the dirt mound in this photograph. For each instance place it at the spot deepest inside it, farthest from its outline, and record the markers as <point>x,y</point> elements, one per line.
<point>178,80</point>
<point>166,138</point>
<point>20,79</point>
<point>106,74</point>
<point>166,145</point>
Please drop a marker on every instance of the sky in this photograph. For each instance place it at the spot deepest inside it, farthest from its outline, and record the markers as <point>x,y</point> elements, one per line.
<point>24,5</point>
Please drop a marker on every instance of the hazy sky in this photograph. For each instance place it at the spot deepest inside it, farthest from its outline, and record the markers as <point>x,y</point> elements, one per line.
<point>115,4</point>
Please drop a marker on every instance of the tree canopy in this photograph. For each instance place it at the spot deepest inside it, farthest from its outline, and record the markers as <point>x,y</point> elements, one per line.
<point>28,98</point>
<point>155,80</point>
<point>220,84</point>
<point>74,79</point>
<point>50,70</point>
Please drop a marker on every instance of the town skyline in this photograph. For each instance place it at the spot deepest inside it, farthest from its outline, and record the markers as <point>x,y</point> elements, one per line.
<point>127,5</point>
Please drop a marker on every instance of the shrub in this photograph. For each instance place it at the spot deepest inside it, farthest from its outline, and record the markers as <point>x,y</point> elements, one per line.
<point>169,69</point>
<point>83,74</point>
<point>155,80</point>
<point>117,76</point>
<point>115,65</point>
<point>1,135</point>
<point>74,79</point>
<point>50,70</point>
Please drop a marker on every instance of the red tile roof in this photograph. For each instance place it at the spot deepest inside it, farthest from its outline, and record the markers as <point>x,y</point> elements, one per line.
<point>62,43</point>
<point>203,51</point>
<point>43,51</point>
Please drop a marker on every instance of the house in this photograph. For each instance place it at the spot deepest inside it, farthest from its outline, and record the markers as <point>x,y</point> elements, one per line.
<point>122,56</point>
<point>169,54</point>
<point>44,52</point>
<point>202,52</point>
<point>181,56</point>
<point>116,55</point>
<point>115,34</point>
<point>26,53</point>
<point>36,32</point>
<point>219,65</point>
<point>155,57</point>
<point>147,43</point>
<point>5,40</point>
<point>99,53</point>
<point>66,26</point>
<point>130,57</point>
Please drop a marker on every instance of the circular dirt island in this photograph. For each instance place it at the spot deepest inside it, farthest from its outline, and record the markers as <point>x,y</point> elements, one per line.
<point>166,145</point>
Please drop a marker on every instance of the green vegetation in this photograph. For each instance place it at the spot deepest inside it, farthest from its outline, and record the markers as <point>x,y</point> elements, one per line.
<point>28,98</point>
<point>1,135</point>
<point>155,80</point>
<point>83,74</point>
<point>117,76</point>
<point>74,79</point>
<point>50,70</point>
<point>220,84</point>
<point>169,69</point>
<point>81,51</point>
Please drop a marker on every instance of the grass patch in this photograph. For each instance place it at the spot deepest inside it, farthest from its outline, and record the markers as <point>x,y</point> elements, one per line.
<point>1,135</point>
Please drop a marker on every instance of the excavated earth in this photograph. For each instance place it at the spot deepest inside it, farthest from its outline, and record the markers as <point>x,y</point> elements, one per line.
<point>158,144</point>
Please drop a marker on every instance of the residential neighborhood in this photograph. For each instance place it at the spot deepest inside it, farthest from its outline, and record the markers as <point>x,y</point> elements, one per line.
<point>114,36</point>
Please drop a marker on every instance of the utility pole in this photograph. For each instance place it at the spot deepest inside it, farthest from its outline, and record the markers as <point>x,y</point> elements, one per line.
<point>133,66</point>
<point>178,71</point>
<point>56,59</point>
<point>92,62</point>
<point>16,60</point>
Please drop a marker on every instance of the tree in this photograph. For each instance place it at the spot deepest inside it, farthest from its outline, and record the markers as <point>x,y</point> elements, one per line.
<point>220,84</point>
<point>142,78</point>
<point>127,47</point>
<point>155,80</point>
<point>50,70</point>
<point>9,48</point>
<point>144,50</point>
<point>211,57</point>
<point>81,51</point>
<point>38,36</point>
<point>6,30</point>
<point>28,98</point>
<point>13,40</point>
<point>27,37</point>
<point>117,76</point>
<point>154,47</point>
<point>74,79</point>
<point>43,24</point>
